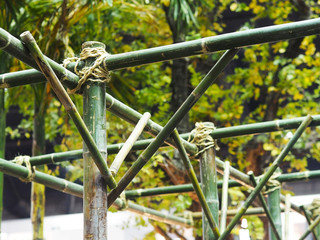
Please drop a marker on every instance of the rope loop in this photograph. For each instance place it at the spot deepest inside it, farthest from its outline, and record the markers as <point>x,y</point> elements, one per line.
<point>272,184</point>
<point>202,136</point>
<point>25,160</point>
<point>188,215</point>
<point>97,72</point>
<point>314,207</point>
<point>125,203</point>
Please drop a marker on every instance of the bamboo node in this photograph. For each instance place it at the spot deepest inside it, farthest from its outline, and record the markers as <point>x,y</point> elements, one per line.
<point>202,136</point>
<point>314,207</point>
<point>25,160</point>
<point>97,72</point>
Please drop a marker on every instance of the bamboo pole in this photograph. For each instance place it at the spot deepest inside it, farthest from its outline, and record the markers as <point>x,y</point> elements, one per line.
<point>74,189</point>
<point>224,196</point>
<point>313,225</point>
<point>2,146</point>
<point>38,197</point>
<point>287,217</point>
<point>275,211</point>
<point>265,207</point>
<point>307,215</point>
<point>95,191</point>
<point>266,176</point>
<point>15,47</point>
<point>176,118</point>
<point>69,106</point>
<point>208,175</point>
<point>114,168</point>
<point>179,50</point>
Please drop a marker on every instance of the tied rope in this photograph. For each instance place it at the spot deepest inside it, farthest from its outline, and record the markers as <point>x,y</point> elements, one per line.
<point>202,138</point>
<point>25,160</point>
<point>97,72</point>
<point>314,208</point>
<point>188,215</point>
<point>125,203</point>
<point>272,184</point>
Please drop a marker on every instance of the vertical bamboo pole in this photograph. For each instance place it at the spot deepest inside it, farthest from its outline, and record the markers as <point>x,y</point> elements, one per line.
<point>274,206</point>
<point>38,148</point>
<point>224,198</point>
<point>287,217</point>
<point>208,176</point>
<point>95,189</point>
<point>2,146</point>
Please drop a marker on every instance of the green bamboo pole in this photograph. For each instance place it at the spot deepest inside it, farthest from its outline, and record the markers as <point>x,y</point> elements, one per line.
<point>38,197</point>
<point>224,196</point>
<point>114,168</point>
<point>95,192</point>
<point>313,225</point>
<point>208,175</point>
<point>74,189</point>
<point>265,207</point>
<point>210,206</point>
<point>70,107</point>
<point>275,211</point>
<point>307,215</point>
<point>266,176</point>
<point>15,47</point>
<point>176,118</point>
<point>257,211</point>
<point>179,50</point>
<point>2,146</point>
<point>287,217</point>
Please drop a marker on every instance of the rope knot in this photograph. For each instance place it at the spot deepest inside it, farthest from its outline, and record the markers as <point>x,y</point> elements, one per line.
<point>272,184</point>
<point>125,203</point>
<point>97,72</point>
<point>314,207</point>
<point>189,216</point>
<point>25,160</point>
<point>202,136</point>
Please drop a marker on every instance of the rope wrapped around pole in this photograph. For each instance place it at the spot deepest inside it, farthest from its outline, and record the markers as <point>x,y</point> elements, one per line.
<point>25,160</point>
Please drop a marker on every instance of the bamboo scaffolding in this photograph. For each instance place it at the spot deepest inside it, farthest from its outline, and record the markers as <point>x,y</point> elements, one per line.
<point>266,176</point>
<point>265,207</point>
<point>208,175</point>
<point>114,168</point>
<point>74,189</point>
<point>207,45</point>
<point>69,106</point>
<point>169,127</point>
<point>224,196</point>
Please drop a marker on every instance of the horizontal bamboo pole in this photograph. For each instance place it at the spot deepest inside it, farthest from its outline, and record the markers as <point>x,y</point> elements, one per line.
<point>163,53</point>
<point>15,47</point>
<point>267,176</point>
<point>69,106</point>
<point>74,189</point>
<point>257,211</point>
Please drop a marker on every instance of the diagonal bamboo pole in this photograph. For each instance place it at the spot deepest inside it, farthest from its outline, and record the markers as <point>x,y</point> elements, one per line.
<point>176,118</point>
<point>267,175</point>
<point>74,189</point>
<point>307,216</point>
<point>163,53</point>
<point>312,227</point>
<point>69,106</point>
<point>211,216</point>
<point>265,207</point>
